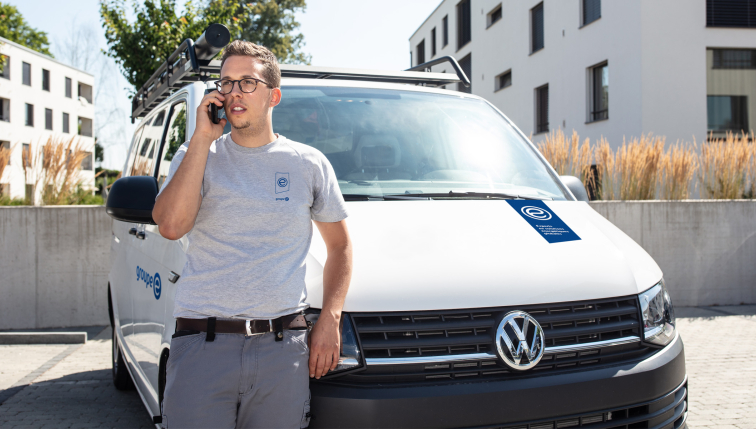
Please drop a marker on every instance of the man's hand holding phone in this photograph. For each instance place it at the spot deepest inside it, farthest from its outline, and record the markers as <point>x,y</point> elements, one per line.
<point>205,128</point>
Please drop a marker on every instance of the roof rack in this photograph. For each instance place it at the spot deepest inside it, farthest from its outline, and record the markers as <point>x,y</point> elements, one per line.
<point>192,62</point>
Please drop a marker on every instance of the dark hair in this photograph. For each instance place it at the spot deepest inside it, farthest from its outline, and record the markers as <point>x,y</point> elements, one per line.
<point>271,73</point>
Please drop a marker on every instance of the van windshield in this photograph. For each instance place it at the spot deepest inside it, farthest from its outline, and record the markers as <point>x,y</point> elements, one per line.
<point>388,142</point>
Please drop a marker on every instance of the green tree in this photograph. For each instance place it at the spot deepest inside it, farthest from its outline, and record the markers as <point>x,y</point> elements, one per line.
<point>139,47</point>
<point>271,23</point>
<point>14,27</point>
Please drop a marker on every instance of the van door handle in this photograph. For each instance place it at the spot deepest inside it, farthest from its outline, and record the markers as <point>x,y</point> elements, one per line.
<point>173,277</point>
<point>133,231</point>
<point>140,235</point>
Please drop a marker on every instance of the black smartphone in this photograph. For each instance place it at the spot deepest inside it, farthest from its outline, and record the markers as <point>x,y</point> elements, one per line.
<point>214,117</point>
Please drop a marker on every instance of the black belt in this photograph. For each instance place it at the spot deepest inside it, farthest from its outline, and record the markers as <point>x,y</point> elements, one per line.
<point>247,327</point>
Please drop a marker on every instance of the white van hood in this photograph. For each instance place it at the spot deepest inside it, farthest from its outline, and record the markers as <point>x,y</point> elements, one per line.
<point>430,255</point>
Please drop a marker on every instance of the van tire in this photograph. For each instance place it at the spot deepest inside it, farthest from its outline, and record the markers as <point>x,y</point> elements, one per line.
<point>121,377</point>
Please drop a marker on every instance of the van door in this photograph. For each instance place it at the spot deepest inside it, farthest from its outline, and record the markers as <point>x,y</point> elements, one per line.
<point>147,276</point>
<point>121,273</point>
<point>165,258</point>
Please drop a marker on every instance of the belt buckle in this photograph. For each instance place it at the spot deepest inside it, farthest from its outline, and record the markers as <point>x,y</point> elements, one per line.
<point>247,326</point>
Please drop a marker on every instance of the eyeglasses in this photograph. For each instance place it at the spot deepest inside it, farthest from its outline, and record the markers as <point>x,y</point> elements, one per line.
<point>248,85</point>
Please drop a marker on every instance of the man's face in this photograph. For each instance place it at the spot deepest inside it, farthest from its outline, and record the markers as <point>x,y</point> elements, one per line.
<point>245,110</point>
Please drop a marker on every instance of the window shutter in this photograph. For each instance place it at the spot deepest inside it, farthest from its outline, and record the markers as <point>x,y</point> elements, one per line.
<point>731,13</point>
<point>537,27</point>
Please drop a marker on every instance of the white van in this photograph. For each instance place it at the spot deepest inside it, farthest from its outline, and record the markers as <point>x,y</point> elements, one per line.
<point>484,294</point>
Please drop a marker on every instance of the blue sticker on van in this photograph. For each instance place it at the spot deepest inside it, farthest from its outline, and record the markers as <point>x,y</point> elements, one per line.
<point>544,220</point>
<point>153,282</point>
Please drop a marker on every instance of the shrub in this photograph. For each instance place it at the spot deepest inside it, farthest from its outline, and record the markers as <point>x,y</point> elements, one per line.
<point>727,167</point>
<point>568,156</point>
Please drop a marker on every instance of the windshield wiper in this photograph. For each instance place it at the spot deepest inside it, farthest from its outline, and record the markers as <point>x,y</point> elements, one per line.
<point>476,195</point>
<point>367,197</point>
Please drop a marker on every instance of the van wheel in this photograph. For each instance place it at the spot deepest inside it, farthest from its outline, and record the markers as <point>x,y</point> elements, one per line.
<point>121,378</point>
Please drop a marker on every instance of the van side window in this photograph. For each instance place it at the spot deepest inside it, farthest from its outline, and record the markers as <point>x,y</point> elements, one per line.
<point>144,161</point>
<point>174,138</point>
<point>135,146</point>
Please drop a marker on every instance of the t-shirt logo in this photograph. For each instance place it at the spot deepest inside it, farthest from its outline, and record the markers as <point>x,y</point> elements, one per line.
<point>282,182</point>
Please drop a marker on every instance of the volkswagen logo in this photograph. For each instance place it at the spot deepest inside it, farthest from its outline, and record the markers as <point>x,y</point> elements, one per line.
<point>519,340</point>
<point>536,213</point>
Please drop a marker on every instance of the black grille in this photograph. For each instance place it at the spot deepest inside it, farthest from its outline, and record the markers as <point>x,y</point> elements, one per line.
<point>459,332</point>
<point>668,412</point>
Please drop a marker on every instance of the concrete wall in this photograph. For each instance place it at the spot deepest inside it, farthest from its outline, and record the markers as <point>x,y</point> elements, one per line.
<point>55,260</point>
<point>706,249</point>
<point>54,266</point>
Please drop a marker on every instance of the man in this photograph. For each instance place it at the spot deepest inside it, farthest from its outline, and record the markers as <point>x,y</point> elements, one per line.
<point>247,201</point>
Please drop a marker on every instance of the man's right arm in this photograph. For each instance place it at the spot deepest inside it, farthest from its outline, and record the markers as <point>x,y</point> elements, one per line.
<point>177,205</point>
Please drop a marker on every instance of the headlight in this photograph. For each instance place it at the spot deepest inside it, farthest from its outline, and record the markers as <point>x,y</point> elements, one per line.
<point>350,350</point>
<point>658,315</point>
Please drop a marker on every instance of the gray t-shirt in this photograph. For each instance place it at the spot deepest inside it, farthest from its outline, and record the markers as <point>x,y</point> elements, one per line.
<point>247,250</point>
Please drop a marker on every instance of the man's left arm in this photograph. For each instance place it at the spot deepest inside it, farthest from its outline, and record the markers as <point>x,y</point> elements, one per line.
<point>325,338</point>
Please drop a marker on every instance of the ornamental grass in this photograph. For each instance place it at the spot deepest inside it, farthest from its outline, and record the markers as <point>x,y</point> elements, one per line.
<point>727,167</point>
<point>646,168</point>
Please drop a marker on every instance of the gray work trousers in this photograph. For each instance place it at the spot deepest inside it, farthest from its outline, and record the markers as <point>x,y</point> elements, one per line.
<point>238,381</point>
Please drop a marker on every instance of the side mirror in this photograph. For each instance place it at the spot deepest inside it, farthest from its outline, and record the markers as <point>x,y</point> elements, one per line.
<point>131,199</point>
<point>574,185</point>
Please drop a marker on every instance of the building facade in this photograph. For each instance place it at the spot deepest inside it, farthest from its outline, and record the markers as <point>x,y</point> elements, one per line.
<point>41,98</point>
<point>678,68</point>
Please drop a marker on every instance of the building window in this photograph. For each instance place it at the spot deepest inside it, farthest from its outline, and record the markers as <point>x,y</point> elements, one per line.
<point>494,16</point>
<point>29,115</point>
<point>591,10</point>
<point>727,113</point>
<point>48,119</point>
<point>85,127</point>
<point>85,92</point>
<point>433,42</point>
<point>420,52</point>
<point>86,163</point>
<point>69,91</point>
<point>26,154</point>
<point>4,110</point>
<point>599,92</point>
<point>466,65</point>
<point>6,145</point>
<point>445,31</point>
<point>734,59</point>
<point>729,88</point>
<point>542,109</point>
<point>463,23</point>
<point>45,80</point>
<point>26,68</point>
<point>5,68</point>
<point>66,122</point>
<point>731,13</point>
<point>536,28</point>
<point>503,80</point>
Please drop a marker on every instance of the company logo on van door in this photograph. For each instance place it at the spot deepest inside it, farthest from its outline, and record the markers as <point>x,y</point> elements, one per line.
<point>153,282</point>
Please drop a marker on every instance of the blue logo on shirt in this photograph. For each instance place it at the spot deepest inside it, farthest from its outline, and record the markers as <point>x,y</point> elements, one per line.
<point>282,182</point>
<point>150,281</point>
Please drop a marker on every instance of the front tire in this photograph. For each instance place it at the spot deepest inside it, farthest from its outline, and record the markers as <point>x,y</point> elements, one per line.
<point>121,378</point>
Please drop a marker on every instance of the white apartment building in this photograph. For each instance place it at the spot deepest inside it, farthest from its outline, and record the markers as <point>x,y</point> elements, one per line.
<point>41,97</point>
<point>611,68</point>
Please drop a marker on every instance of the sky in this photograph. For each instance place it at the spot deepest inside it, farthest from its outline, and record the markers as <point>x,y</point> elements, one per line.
<point>339,33</point>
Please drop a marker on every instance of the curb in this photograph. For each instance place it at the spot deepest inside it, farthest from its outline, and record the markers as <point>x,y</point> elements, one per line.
<point>16,338</point>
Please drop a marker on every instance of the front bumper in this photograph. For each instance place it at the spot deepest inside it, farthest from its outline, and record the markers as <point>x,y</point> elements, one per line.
<point>649,386</point>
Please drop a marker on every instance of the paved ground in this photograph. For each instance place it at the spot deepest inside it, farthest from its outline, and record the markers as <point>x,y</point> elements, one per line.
<point>70,386</point>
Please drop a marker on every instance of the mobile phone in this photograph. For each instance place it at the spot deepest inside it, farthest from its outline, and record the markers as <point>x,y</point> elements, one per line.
<point>214,117</point>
